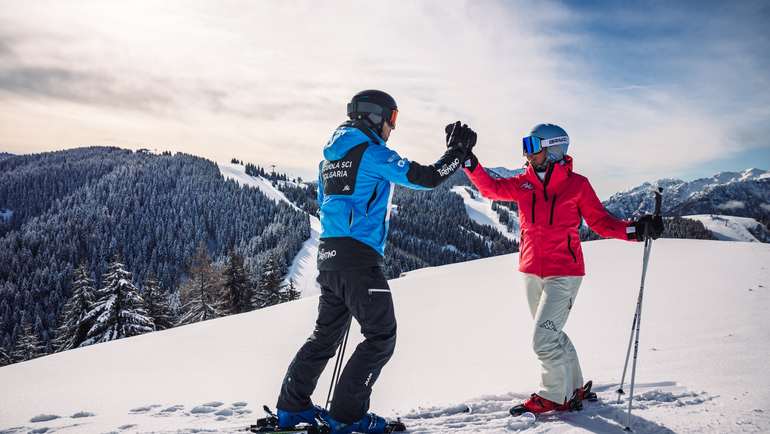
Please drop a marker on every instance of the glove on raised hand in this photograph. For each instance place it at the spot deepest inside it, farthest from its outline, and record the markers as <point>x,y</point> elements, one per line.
<point>460,136</point>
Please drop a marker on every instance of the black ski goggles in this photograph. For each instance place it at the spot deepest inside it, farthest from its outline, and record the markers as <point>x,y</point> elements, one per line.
<point>375,112</point>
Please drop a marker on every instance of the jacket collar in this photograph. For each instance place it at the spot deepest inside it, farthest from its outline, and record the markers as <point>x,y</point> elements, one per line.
<point>555,175</point>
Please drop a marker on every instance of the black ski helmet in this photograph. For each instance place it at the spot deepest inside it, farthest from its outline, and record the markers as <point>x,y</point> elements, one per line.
<point>374,106</point>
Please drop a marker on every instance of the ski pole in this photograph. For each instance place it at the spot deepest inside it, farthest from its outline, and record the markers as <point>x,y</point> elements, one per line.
<point>620,390</point>
<point>337,366</point>
<point>645,262</point>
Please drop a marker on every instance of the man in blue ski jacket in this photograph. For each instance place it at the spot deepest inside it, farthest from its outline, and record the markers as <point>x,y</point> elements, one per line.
<point>355,187</point>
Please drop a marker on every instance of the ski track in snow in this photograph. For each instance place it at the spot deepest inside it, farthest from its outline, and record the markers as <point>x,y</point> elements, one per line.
<point>480,210</point>
<point>303,269</point>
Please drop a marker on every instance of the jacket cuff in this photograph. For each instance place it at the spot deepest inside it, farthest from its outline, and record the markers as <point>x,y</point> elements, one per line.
<point>631,234</point>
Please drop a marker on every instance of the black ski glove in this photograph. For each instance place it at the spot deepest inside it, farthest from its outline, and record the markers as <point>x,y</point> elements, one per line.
<point>460,136</point>
<point>470,162</point>
<point>653,224</point>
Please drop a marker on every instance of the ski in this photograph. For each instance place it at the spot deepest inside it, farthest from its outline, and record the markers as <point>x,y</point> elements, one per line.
<point>395,426</point>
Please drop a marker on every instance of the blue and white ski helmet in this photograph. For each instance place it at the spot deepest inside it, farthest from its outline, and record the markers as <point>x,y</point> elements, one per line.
<point>546,132</point>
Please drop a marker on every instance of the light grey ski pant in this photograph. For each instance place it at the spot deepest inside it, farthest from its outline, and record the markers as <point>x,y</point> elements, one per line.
<point>550,301</point>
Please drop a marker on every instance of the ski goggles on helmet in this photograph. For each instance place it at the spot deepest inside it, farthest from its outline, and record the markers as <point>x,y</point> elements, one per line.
<point>374,112</point>
<point>535,144</point>
<point>393,117</point>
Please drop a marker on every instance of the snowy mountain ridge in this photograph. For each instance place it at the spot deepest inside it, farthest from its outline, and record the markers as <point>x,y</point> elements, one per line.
<point>724,191</point>
<point>460,341</point>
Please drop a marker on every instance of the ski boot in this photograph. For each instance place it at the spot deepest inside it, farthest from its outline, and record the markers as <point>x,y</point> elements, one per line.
<point>289,419</point>
<point>536,404</point>
<point>581,394</point>
<point>369,424</point>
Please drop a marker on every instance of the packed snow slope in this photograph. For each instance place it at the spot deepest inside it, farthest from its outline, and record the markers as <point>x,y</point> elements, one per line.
<point>464,337</point>
<point>480,210</point>
<point>731,228</point>
<point>303,269</point>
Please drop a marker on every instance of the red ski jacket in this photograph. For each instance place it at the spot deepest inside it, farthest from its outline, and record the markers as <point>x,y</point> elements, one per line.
<point>550,214</point>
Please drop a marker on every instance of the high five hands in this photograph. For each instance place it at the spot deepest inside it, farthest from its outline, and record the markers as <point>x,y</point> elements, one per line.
<point>460,136</point>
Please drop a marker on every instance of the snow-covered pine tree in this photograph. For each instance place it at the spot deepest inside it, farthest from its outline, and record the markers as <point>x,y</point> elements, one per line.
<point>5,358</point>
<point>156,304</point>
<point>119,311</point>
<point>237,288</point>
<point>290,292</point>
<point>72,330</point>
<point>268,291</point>
<point>27,345</point>
<point>201,294</point>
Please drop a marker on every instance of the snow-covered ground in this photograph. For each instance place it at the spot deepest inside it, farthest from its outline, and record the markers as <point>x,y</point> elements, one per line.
<point>303,270</point>
<point>480,210</point>
<point>463,338</point>
<point>729,228</point>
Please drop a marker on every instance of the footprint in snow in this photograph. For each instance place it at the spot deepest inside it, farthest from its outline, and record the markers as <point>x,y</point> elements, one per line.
<point>82,414</point>
<point>144,409</point>
<point>44,418</point>
<point>127,427</point>
<point>240,404</point>
<point>213,404</point>
<point>203,409</point>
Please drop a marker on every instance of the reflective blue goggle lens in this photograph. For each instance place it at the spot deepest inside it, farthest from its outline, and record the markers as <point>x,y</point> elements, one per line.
<point>532,145</point>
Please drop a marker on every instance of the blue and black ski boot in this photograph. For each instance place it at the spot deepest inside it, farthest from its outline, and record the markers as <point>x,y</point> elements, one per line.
<point>294,422</point>
<point>369,424</point>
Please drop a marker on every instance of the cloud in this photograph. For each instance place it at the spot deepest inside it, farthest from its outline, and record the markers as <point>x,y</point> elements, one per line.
<point>641,95</point>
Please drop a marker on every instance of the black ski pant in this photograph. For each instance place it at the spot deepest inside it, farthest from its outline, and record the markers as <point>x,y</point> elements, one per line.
<point>364,294</point>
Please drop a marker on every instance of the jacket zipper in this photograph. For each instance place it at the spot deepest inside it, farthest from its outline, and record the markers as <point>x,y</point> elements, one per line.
<point>569,246</point>
<point>371,200</point>
<point>534,199</point>
<point>547,180</point>
<point>372,291</point>
<point>553,202</point>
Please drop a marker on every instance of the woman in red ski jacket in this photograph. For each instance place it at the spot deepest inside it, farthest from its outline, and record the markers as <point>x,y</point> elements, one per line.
<point>550,213</point>
<point>553,200</point>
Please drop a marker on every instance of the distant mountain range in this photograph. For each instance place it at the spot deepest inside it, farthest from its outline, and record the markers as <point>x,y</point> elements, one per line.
<point>743,194</point>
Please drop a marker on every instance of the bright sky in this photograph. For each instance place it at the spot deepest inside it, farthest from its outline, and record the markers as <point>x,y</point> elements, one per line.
<point>645,89</point>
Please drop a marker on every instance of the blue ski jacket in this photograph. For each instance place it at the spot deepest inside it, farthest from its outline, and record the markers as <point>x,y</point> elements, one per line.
<point>355,189</point>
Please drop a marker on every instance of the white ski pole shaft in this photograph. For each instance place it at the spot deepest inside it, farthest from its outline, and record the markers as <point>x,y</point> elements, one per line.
<point>645,262</point>
<point>620,390</point>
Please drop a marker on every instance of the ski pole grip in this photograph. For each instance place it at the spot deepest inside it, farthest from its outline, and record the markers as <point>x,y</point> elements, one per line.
<point>658,199</point>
